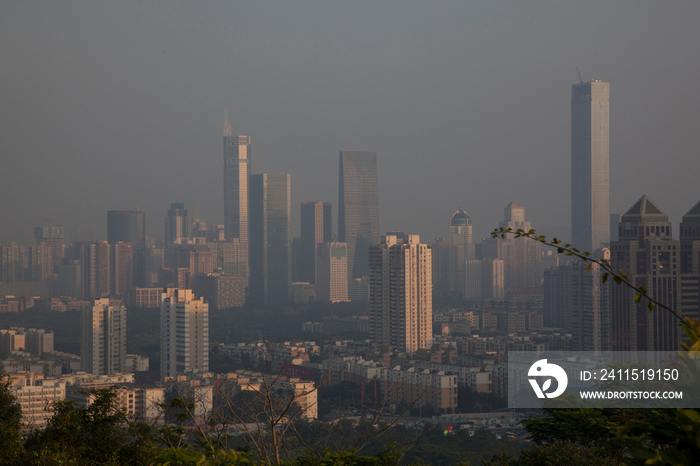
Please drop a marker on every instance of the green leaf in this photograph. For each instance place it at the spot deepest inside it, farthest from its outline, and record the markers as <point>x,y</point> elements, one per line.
<point>604,278</point>
<point>651,305</point>
<point>618,280</point>
<point>588,267</point>
<point>637,297</point>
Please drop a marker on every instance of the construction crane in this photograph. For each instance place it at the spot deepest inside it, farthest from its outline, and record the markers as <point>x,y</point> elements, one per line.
<point>579,75</point>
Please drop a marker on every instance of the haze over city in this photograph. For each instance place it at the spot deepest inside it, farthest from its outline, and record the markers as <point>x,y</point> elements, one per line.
<point>120,105</point>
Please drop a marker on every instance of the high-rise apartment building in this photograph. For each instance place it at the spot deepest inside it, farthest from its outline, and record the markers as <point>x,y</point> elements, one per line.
<point>237,169</point>
<point>177,224</point>
<point>358,208</point>
<point>648,254</point>
<point>54,238</point>
<point>270,238</point>
<point>316,228</point>
<point>401,293</point>
<point>184,333</point>
<point>461,250</point>
<point>590,165</point>
<point>107,269</point>
<point>129,226</point>
<point>122,268</point>
<point>103,348</point>
<point>332,272</point>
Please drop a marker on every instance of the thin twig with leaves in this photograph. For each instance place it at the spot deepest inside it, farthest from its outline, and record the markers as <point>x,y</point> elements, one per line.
<point>620,277</point>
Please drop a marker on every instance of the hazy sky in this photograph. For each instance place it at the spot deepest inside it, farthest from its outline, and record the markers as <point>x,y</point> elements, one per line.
<point>107,105</point>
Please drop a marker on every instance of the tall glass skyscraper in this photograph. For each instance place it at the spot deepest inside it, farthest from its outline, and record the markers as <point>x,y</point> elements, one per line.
<point>590,165</point>
<point>270,238</point>
<point>237,166</point>
<point>358,208</point>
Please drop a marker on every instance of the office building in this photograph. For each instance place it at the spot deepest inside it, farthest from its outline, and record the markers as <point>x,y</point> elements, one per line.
<point>590,165</point>
<point>184,333</point>
<point>316,228</point>
<point>332,272</point>
<point>129,226</point>
<point>177,224</point>
<point>690,263</point>
<point>647,252</point>
<point>578,302</point>
<point>461,250</point>
<point>237,169</point>
<point>270,238</point>
<point>103,348</point>
<point>358,208</point>
<point>401,293</point>
<point>521,257</point>
<point>220,291</point>
<point>227,257</point>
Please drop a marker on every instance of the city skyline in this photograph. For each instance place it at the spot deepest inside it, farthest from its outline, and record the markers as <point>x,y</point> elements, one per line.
<point>140,128</point>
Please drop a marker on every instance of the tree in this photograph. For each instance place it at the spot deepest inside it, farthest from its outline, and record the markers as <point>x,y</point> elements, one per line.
<point>97,434</point>
<point>10,424</point>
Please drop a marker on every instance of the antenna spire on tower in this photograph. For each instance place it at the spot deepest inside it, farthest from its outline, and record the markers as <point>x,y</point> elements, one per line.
<point>227,126</point>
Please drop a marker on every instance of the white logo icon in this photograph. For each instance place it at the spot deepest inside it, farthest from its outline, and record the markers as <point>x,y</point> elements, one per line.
<point>542,369</point>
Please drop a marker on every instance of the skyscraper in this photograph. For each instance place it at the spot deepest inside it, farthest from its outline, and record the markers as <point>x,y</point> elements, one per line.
<point>461,250</point>
<point>237,169</point>
<point>315,229</point>
<point>577,301</point>
<point>401,293</point>
<point>332,268</point>
<point>590,165</point>
<point>270,238</point>
<point>129,226</point>
<point>358,208</point>
<point>647,252</point>
<point>177,224</point>
<point>103,348</point>
<point>184,333</point>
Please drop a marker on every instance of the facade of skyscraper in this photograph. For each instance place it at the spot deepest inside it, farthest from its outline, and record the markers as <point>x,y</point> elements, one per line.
<point>401,293</point>
<point>358,208</point>
<point>332,272</point>
<point>177,224</point>
<point>316,228</point>
<point>590,165</point>
<point>521,256</point>
<point>690,263</point>
<point>270,238</point>
<point>103,348</point>
<point>129,226</point>
<point>237,170</point>
<point>647,252</point>
<point>184,333</point>
<point>577,301</point>
<point>461,250</point>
